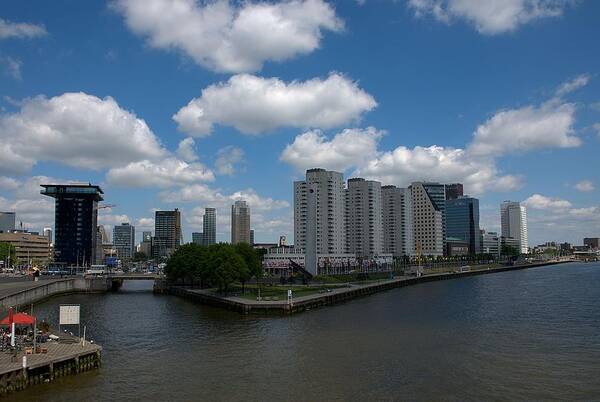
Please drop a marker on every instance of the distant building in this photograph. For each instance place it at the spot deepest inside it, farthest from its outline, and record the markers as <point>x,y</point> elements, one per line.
<point>462,221</point>
<point>364,225</point>
<point>124,241</point>
<point>209,226</point>
<point>167,233</point>
<point>251,237</point>
<point>513,218</point>
<point>198,238</point>
<point>7,221</point>
<point>428,207</point>
<point>592,242</point>
<point>509,242</point>
<point>490,243</point>
<point>397,221</point>
<point>146,236</point>
<point>48,233</point>
<point>240,222</point>
<point>454,191</point>
<point>76,220</point>
<point>456,247</point>
<point>146,244</point>
<point>29,248</point>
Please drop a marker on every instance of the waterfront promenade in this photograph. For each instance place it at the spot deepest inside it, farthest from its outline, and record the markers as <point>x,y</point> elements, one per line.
<point>332,295</point>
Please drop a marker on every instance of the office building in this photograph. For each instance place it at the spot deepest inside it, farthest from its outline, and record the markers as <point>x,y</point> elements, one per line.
<point>124,241</point>
<point>48,233</point>
<point>209,226</point>
<point>364,226</point>
<point>592,242</point>
<point>509,242</point>
<point>75,222</point>
<point>456,247</point>
<point>397,221</point>
<point>462,221</point>
<point>240,222</point>
<point>198,238</point>
<point>428,218</point>
<point>146,244</point>
<point>252,237</point>
<point>30,249</point>
<point>7,221</point>
<point>454,191</point>
<point>167,233</point>
<point>490,243</point>
<point>513,219</point>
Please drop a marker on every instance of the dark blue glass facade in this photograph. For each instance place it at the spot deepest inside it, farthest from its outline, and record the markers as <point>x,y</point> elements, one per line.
<point>462,221</point>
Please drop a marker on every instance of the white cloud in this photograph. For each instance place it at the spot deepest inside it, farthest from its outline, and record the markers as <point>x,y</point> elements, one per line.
<point>256,105</point>
<point>186,150</point>
<point>351,147</point>
<point>574,84</point>
<point>165,173</point>
<point>228,37</point>
<point>435,163</point>
<point>538,201</point>
<point>75,129</point>
<point>10,29</point>
<point>12,66</point>
<point>596,127</point>
<point>585,185</point>
<point>527,128</point>
<point>227,159</point>
<point>490,17</point>
<point>8,183</point>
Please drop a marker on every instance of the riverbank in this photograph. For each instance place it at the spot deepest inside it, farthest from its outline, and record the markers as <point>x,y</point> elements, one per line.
<point>331,296</point>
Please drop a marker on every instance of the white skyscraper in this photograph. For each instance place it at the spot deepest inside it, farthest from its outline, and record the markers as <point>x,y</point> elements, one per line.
<point>513,218</point>
<point>364,226</point>
<point>428,220</point>
<point>397,221</point>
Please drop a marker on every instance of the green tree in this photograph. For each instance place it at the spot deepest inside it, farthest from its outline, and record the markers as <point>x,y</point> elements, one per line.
<point>140,256</point>
<point>252,259</point>
<point>225,266</point>
<point>7,249</point>
<point>188,263</point>
<point>510,250</point>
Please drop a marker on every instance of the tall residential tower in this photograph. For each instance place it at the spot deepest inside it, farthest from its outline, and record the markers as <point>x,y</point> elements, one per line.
<point>513,219</point>
<point>240,222</point>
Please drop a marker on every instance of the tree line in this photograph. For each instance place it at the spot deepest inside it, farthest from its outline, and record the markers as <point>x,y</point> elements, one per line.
<point>218,265</point>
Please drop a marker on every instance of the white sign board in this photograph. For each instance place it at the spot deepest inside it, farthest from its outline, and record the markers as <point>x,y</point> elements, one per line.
<point>69,314</point>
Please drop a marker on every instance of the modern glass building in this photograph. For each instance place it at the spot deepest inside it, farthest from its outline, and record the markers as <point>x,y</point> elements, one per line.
<point>167,233</point>
<point>124,240</point>
<point>7,221</point>
<point>75,222</point>
<point>209,226</point>
<point>462,221</point>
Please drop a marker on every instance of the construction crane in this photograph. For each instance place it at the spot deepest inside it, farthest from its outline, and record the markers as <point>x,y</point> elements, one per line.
<point>103,206</point>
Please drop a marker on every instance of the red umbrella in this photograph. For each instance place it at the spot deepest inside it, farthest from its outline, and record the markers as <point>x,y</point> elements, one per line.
<point>18,319</point>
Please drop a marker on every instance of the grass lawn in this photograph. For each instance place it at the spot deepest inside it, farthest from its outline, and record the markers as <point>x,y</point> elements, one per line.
<point>277,292</point>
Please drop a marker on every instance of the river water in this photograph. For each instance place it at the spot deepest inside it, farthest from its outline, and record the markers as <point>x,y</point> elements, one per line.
<point>522,335</point>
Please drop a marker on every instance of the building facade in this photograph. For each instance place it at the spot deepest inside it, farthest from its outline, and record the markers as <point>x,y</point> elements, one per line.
<point>7,221</point>
<point>462,221</point>
<point>240,222</point>
<point>364,218</point>
<point>513,219</point>
<point>490,243</point>
<point>428,221</point>
<point>75,222</point>
<point>209,226</point>
<point>198,238</point>
<point>454,191</point>
<point>592,242</point>
<point>30,249</point>
<point>397,221</point>
<point>167,233</point>
<point>124,241</point>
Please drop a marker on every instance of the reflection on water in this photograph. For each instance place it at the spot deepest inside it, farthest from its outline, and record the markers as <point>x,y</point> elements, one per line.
<point>532,334</point>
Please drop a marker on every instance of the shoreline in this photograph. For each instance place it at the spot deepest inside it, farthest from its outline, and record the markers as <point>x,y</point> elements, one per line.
<point>336,295</point>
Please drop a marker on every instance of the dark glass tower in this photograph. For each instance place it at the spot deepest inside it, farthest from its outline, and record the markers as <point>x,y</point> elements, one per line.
<point>75,222</point>
<point>462,221</point>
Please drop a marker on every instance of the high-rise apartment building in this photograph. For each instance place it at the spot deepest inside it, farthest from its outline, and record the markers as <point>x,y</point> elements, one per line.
<point>397,221</point>
<point>75,222</point>
<point>124,240</point>
<point>167,233</point>
<point>364,219</point>
<point>7,221</point>
<point>326,214</point>
<point>428,210</point>
<point>513,219</point>
<point>198,238</point>
<point>209,226</point>
<point>240,222</point>
<point>453,191</point>
<point>252,237</point>
<point>462,221</point>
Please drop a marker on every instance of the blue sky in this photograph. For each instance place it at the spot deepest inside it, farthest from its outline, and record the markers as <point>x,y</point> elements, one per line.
<point>501,95</point>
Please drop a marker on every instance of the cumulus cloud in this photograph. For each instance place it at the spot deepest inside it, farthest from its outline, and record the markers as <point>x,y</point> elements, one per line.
<point>227,159</point>
<point>10,29</point>
<point>527,128</point>
<point>351,147</point>
<point>8,183</point>
<point>12,67</point>
<point>585,185</point>
<point>165,173</point>
<point>578,82</point>
<point>75,129</point>
<point>490,17</point>
<point>186,150</point>
<point>229,36</point>
<point>538,201</point>
<point>255,105</point>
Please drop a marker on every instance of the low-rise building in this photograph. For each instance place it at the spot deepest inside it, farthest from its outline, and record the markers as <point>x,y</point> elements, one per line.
<point>30,249</point>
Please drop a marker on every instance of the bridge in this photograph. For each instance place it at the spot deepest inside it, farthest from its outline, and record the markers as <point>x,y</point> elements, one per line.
<point>135,276</point>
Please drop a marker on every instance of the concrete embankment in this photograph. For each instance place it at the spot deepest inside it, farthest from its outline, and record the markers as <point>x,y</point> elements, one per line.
<point>336,295</point>
<point>38,291</point>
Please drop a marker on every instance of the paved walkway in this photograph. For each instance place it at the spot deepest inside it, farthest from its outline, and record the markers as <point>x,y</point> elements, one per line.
<point>13,286</point>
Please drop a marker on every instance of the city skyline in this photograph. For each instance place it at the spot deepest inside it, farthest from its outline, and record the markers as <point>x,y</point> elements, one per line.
<point>441,108</point>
